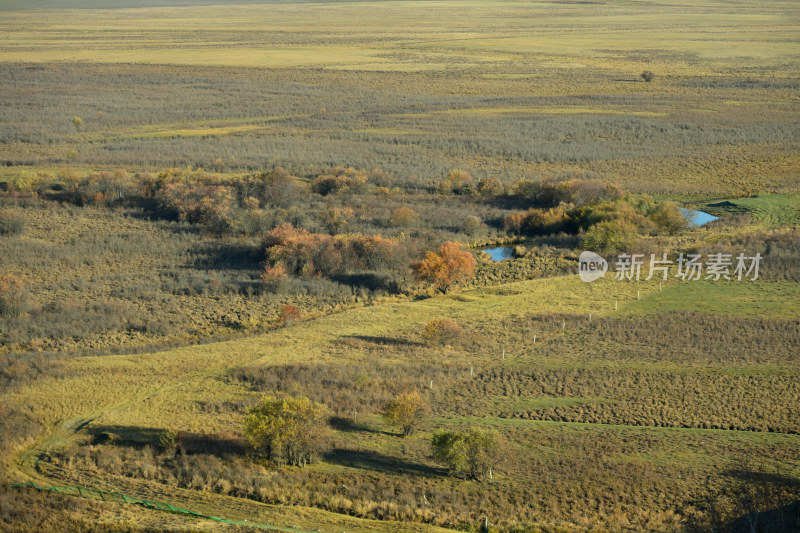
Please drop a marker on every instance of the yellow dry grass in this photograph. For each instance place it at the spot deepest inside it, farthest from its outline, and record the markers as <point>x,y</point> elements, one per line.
<point>412,36</point>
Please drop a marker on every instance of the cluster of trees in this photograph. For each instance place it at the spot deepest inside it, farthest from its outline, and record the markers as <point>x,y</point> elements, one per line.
<point>208,205</point>
<point>288,430</point>
<point>350,244</point>
<point>293,430</point>
<point>610,219</point>
<point>298,251</point>
<point>340,180</point>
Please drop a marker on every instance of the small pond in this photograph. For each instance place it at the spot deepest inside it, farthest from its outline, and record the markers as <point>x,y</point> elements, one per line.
<point>499,253</point>
<point>697,218</point>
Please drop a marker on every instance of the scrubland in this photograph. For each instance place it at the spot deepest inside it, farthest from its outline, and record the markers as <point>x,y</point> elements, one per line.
<point>204,205</point>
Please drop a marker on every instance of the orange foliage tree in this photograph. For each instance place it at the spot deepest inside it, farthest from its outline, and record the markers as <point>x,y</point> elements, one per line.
<point>309,254</point>
<point>450,266</point>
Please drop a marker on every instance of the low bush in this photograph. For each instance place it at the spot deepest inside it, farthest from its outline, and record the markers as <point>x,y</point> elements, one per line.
<point>13,296</point>
<point>441,331</point>
<point>12,222</point>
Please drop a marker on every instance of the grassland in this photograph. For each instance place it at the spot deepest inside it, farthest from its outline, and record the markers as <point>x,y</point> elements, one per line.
<point>186,389</point>
<point>640,406</point>
<point>402,37</point>
<point>553,88</point>
<point>772,210</point>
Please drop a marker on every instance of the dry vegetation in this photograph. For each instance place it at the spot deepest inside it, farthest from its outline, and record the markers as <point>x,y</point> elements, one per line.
<point>198,221</point>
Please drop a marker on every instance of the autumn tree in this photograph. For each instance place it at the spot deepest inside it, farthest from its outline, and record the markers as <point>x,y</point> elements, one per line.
<point>472,453</point>
<point>303,253</point>
<point>287,430</point>
<point>450,266</point>
<point>339,180</point>
<point>405,411</point>
<point>273,277</point>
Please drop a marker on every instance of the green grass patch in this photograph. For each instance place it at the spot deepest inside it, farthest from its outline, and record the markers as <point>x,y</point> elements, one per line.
<point>772,210</point>
<point>748,298</point>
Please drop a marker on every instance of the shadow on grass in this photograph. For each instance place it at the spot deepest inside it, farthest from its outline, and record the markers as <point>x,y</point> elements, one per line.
<point>341,423</point>
<point>384,341</point>
<point>373,281</point>
<point>188,443</point>
<point>228,256</point>
<point>375,461</point>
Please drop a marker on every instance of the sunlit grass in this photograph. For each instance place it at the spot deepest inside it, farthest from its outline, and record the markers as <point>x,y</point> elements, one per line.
<point>431,34</point>
<point>555,110</point>
<point>772,210</point>
<point>746,297</point>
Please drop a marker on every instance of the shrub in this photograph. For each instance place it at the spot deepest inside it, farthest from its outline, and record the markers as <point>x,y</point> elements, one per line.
<point>405,411</point>
<point>537,221</point>
<point>340,180</point>
<point>610,236</point>
<point>305,253</point>
<point>290,314</point>
<point>97,187</point>
<point>647,76</point>
<point>337,219</point>
<point>668,217</point>
<point>458,182</point>
<point>472,453</point>
<point>25,181</point>
<point>473,225</point>
<point>210,205</point>
<point>13,296</point>
<point>490,187</point>
<point>251,203</point>
<point>441,331</point>
<point>549,193</point>
<point>279,187</point>
<point>168,440</point>
<point>11,222</point>
<point>403,217</point>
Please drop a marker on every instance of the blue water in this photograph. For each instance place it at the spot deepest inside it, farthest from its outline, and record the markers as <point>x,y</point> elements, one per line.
<point>498,254</point>
<point>699,218</point>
